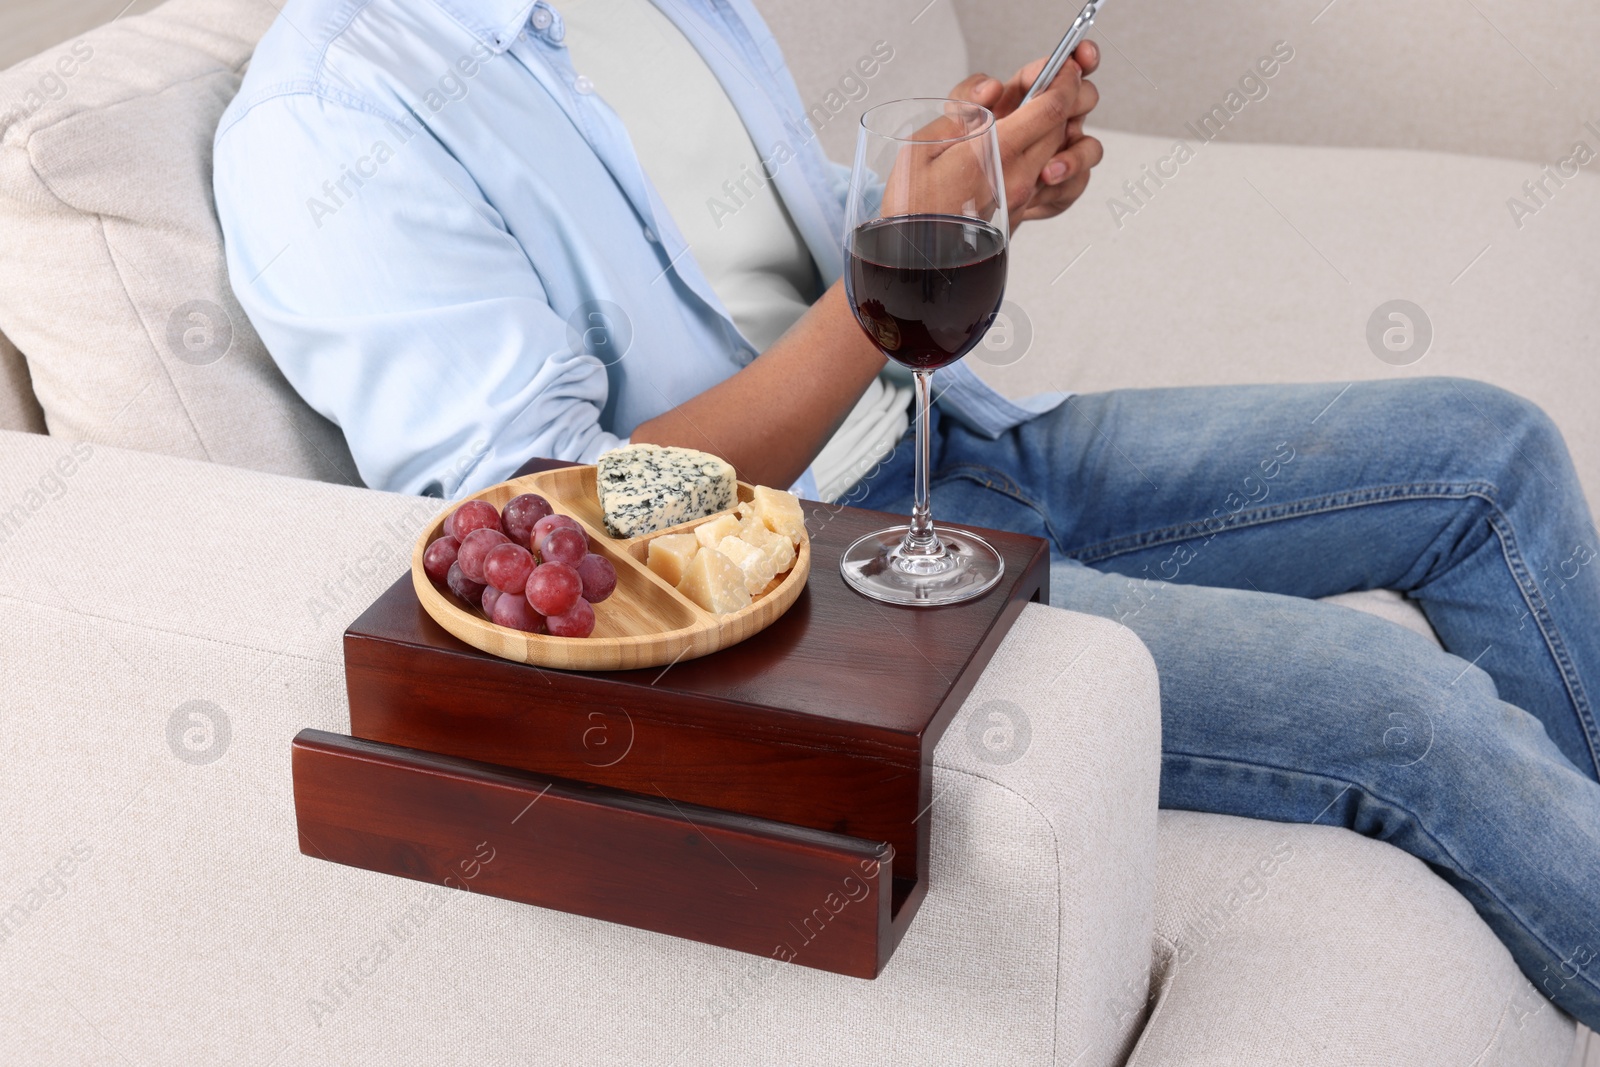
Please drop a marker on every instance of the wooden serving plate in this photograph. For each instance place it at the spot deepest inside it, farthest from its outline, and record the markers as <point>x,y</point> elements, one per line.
<point>645,623</point>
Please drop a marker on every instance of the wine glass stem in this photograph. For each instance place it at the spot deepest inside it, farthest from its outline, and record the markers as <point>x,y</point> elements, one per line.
<point>920,539</point>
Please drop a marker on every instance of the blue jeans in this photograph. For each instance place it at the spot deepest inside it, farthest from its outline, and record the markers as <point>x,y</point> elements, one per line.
<point>1208,519</point>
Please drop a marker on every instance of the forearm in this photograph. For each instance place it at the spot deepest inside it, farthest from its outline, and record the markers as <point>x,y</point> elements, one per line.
<point>772,418</point>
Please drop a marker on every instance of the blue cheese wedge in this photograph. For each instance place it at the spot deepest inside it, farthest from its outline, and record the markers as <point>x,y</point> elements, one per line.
<point>645,488</point>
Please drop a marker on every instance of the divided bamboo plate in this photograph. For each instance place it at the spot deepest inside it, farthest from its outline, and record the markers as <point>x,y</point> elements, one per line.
<point>645,623</point>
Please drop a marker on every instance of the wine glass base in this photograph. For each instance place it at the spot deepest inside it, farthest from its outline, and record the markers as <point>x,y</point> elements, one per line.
<point>873,566</point>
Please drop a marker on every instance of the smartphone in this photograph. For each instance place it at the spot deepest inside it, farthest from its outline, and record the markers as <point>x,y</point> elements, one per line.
<point>1069,41</point>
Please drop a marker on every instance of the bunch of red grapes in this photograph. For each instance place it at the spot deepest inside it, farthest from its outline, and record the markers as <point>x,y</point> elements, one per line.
<point>528,568</point>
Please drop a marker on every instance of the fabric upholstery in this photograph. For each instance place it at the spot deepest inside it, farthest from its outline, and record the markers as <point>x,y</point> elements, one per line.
<point>1388,604</point>
<point>1283,945</point>
<point>1586,1050</point>
<point>111,276</point>
<point>1365,75</point>
<point>196,933</point>
<point>822,41</point>
<point>28,27</point>
<point>19,409</point>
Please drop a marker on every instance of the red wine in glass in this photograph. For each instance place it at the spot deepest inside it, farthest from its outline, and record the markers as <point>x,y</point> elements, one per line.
<point>927,287</point>
<point>925,239</point>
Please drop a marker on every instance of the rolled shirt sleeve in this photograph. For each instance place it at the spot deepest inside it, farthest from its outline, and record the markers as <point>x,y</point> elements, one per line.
<point>395,300</point>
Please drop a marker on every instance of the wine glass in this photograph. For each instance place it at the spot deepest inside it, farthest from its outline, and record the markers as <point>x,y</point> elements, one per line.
<point>926,234</point>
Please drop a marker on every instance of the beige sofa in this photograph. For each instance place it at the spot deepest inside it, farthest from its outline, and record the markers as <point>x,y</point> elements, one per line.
<point>178,557</point>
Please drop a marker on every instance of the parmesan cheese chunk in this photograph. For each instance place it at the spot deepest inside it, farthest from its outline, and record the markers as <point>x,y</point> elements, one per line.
<point>780,512</point>
<point>753,562</point>
<point>713,582</point>
<point>777,547</point>
<point>709,533</point>
<point>670,555</point>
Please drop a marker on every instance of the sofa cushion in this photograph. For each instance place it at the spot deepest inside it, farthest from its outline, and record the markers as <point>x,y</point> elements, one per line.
<point>1388,604</point>
<point>19,408</point>
<point>112,279</point>
<point>1281,945</point>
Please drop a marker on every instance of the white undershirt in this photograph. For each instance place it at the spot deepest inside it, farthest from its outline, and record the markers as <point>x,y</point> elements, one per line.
<point>690,141</point>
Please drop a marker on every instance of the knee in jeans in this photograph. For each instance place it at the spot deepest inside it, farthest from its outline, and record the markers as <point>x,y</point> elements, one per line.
<point>1456,731</point>
<point>1525,429</point>
<point>1438,718</point>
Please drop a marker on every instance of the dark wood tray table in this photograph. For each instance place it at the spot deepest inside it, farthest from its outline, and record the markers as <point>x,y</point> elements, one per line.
<point>769,797</point>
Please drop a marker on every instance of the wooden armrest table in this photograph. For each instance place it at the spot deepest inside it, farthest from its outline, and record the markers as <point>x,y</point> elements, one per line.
<point>768,797</point>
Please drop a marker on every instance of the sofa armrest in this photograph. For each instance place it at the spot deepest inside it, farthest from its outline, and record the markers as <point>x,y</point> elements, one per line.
<point>154,687</point>
<point>1066,721</point>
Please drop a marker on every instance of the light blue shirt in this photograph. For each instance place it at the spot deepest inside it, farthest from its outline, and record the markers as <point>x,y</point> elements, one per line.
<point>447,243</point>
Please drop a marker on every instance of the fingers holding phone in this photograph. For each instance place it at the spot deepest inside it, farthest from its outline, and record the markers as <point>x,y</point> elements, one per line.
<point>1003,97</point>
<point>1046,155</point>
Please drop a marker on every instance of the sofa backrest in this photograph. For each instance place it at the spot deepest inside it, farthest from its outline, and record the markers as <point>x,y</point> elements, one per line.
<point>112,280</point>
<point>1511,80</point>
<point>823,40</point>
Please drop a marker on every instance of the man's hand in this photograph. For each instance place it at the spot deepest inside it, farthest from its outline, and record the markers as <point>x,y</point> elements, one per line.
<point>1046,155</point>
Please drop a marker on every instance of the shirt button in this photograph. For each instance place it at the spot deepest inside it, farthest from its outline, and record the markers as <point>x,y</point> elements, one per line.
<point>650,235</point>
<point>541,18</point>
<point>583,84</point>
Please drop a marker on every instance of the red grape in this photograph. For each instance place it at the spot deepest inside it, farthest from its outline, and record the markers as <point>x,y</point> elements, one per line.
<point>513,611</point>
<point>450,524</point>
<point>437,557</point>
<point>599,577</point>
<point>553,588</point>
<point>490,595</point>
<point>473,515</point>
<point>564,546</point>
<point>520,515</point>
<point>474,547</point>
<point>507,567</point>
<point>545,526</point>
<point>577,622</point>
<point>462,586</point>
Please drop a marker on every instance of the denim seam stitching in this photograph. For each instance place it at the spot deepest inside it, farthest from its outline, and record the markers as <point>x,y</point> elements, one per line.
<point>1416,821</point>
<point>1539,608</point>
<point>1189,531</point>
<point>1499,522</point>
